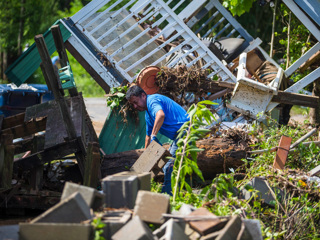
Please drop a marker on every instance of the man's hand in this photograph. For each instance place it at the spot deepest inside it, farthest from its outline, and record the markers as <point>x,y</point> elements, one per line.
<point>154,138</point>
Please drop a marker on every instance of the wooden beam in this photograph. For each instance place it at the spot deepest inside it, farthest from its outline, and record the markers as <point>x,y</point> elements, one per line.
<point>47,155</point>
<point>315,57</point>
<point>12,121</point>
<point>58,41</point>
<point>27,144</point>
<point>26,129</point>
<point>92,170</point>
<point>87,67</point>
<point>54,82</point>
<point>6,160</point>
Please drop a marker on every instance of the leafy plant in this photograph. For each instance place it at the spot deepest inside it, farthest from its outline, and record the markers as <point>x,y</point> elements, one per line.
<point>116,96</point>
<point>98,228</point>
<point>186,154</point>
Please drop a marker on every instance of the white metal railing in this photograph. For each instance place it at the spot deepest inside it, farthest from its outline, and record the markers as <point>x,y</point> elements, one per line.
<point>94,18</point>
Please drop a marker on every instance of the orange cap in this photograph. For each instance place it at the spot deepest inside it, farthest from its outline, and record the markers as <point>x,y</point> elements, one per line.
<point>146,79</point>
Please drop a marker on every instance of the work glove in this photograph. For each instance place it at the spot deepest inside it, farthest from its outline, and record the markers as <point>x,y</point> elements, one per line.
<point>154,138</point>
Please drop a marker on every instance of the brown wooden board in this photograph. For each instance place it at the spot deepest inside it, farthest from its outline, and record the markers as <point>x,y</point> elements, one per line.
<point>6,160</point>
<point>27,144</point>
<point>12,121</point>
<point>282,152</point>
<point>47,155</point>
<point>26,129</point>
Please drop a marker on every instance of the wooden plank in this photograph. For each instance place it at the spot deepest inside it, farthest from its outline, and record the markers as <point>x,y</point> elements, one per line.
<point>47,155</point>
<point>282,152</point>
<point>58,41</point>
<point>96,76</point>
<point>92,168</point>
<point>27,128</point>
<point>6,160</point>
<point>12,121</point>
<point>27,144</point>
<point>53,79</point>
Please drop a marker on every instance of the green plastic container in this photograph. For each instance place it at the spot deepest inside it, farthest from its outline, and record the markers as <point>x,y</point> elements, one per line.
<point>119,136</point>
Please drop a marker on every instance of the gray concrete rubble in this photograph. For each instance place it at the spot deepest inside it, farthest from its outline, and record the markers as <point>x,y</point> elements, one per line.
<point>73,209</point>
<point>144,179</point>
<point>92,197</point>
<point>264,191</point>
<point>114,220</point>
<point>120,191</point>
<point>135,229</point>
<point>53,231</point>
<point>72,217</point>
<point>150,206</point>
<point>170,230</point>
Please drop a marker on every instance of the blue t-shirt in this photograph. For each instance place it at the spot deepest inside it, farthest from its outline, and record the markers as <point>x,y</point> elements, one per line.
<point>175,115</point>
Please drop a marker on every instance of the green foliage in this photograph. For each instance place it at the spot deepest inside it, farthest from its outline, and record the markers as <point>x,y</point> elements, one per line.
<point>98,228</point>
<point>116,96</point>
<point>238,7</point>
<point>186,154</point>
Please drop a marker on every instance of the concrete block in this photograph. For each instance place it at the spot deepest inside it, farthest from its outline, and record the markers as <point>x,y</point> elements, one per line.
<point>232,230</point>
<point>114,220</point>
<point>9,232</point>
<point>120,191</point>
<point>71,210</point>
<point>150,206</point>
<point>93,198</point>
<point>264,191</point>
<point>144,179</point>
<point>315,171</point>
<point>134,230</point>
<point>206,226</point>
<point>170,230</point>
<point>254,228</point>
<point>53,231</point>
<point>151,160</point>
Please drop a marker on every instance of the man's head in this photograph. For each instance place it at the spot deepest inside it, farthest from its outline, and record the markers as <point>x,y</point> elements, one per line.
<point>137,97</point>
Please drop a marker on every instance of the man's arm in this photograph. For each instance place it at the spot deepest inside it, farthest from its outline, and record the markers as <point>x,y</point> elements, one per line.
<point>156,127</point>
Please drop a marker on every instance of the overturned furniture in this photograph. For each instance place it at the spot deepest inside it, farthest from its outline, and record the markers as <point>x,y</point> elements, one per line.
<point>46,132</point>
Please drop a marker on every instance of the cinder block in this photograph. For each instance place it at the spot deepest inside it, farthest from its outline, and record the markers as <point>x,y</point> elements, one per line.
<point>151,160</point>
<point>120,191</point>
<point>264,191</point>
<point>150,206</point>
<point>93,198</point>
<point>144,179</point>
<point>206,226</point>
<point>135,229</point>
<point>114,220</point>
<point>254,228</point>
<point>232,230</point>
<point>54,231</point>
<point>170,230</point>
<point>71,210</point>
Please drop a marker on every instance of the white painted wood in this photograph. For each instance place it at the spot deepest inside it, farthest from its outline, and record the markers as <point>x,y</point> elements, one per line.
<point>302,59</point>
<point>88,10</point>
<point>94,62</point>
<point>254,44</point>
<point>314,30</point>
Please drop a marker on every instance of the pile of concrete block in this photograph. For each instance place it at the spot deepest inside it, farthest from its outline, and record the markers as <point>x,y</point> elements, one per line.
<point>128,209</point>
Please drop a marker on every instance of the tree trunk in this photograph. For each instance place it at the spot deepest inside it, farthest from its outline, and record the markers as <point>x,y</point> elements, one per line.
<point>21,27</point>
<point>219,156</point>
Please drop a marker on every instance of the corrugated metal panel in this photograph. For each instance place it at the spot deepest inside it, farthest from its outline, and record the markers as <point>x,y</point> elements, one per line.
<point>30,60</point>
<point>117,136</point>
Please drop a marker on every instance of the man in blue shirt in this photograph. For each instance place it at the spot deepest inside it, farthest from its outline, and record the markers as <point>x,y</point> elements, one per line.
<point>162,115</point>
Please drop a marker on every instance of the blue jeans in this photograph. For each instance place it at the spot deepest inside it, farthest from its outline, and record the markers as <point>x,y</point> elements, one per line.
<point>168,168</point>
